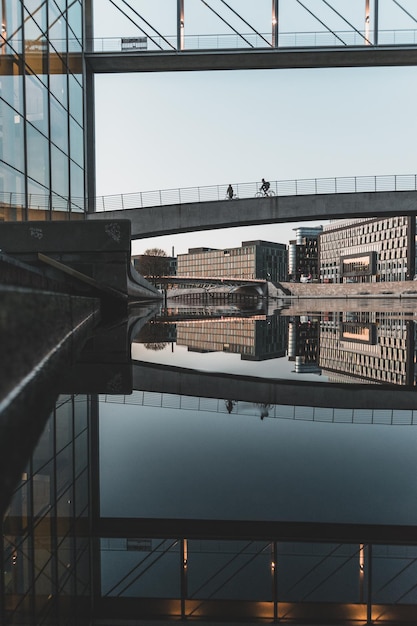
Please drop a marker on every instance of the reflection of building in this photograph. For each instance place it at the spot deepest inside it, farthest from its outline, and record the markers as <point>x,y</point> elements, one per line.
<point>303,344</point>
<point>42,111</point>
<point>46,549</point>
<point>254,339</point>
<point>364,250</point>
<point>368,346</point>
<point>303,253</point>
<point>254,259</point>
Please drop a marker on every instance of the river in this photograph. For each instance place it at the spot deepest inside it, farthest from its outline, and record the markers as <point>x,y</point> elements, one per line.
<point>253,462</point>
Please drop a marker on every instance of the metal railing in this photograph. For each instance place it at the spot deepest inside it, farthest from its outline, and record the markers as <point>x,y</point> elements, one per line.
<point>226,41</point>
<point>187,195</point>
<point>307,186</point>
<point>248,41</point>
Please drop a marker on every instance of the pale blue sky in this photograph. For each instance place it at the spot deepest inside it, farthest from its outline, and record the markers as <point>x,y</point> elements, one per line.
<point>169,130</point>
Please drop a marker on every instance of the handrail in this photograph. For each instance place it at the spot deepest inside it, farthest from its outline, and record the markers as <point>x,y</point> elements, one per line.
<point>187,195</point>
<point>250,41</point>
<point>241,41</point>
<point>308,186</point>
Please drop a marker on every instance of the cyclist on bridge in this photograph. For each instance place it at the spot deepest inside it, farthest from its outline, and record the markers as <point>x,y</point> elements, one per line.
<point>265,186</point>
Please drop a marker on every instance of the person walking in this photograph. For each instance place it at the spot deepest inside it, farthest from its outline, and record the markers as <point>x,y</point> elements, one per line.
<point>230,192</point>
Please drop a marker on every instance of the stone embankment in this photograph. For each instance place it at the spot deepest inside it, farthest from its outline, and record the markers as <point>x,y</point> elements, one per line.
<point>400,289</point>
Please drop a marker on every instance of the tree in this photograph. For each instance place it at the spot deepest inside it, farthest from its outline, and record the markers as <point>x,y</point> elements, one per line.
<point>153,263</point>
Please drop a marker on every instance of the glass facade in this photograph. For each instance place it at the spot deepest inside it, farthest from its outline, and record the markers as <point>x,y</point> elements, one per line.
<point>41,110</point>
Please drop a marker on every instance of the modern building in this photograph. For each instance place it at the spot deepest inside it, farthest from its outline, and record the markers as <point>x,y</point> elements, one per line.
<point>364,251</point>
<point>43,118</point>
<point>303,257</point>
<point>253,259</point>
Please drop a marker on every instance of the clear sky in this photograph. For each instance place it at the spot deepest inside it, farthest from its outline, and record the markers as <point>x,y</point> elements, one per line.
<point>188,129</point>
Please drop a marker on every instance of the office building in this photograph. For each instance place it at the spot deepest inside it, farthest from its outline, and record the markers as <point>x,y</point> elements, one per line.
<point>42,110</point>
<point>365,251</point>
<point>303,257</point>
<point>253,259</point>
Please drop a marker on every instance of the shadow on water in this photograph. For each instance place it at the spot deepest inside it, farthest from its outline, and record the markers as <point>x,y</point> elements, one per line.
<point>210,464</point>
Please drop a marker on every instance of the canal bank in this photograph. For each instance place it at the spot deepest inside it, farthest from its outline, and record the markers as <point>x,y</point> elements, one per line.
<point>398,289</point>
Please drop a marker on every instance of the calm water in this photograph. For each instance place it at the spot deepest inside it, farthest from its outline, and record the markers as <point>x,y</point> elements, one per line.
<point>224,464</point>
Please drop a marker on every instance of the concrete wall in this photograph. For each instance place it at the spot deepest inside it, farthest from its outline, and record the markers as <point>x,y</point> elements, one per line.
<point>400,289</point>
<point>98,250</point>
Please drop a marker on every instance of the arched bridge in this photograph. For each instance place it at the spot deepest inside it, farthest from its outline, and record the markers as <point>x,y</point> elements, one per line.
<point>173,211</point>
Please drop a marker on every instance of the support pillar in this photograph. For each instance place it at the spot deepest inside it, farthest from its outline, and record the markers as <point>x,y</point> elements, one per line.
<point>367,22</point>
<point>275,14</point>
<point>376,25</point>
<point>180,24</point>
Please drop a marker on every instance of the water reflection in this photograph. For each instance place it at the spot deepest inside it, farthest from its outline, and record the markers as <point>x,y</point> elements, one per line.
<point>193,468</point>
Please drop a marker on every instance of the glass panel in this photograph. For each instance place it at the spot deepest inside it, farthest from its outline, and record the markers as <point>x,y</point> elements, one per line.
<point>37,155</point>
<point>57,28</point>
<point>11,138</point>
<point>11,88</point>
<point>59,129</point>
<point>12,196</point>
<point>11,20</point>
<point>394,571</point>
<point>36,45</point>
<point>80,414</point>
<point>64,468</point>
<point>81,494</point>
<point>76,99</point>
<point>64,423</point>
<point>81,452</point>
<point>58,88</point>
<point>75,20</point>
<point>66,566</point>
<point>76,142</point>
<point>42,484</point>
<point>140,568</point>
<point>45,447</point>
<point>77,187</point>
<point>37,103</point>
<point>316,572</point>
<point>239,570</point>
<point>59,168</point>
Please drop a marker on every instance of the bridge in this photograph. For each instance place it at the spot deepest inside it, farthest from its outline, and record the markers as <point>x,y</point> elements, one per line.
<point>172,211</point>
<point>239,43</point>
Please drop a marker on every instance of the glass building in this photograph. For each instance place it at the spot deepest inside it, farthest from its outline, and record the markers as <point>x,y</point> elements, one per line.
<point>42,109</point>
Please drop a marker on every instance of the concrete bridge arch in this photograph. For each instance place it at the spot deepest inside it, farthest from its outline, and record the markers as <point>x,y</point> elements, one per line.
<point>171,219</point>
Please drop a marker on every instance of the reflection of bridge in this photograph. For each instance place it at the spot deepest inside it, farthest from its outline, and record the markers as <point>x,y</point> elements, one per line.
<point>165,379</point>
<point>247,287</point>
<point>173,211</point>
<point>263,410</point>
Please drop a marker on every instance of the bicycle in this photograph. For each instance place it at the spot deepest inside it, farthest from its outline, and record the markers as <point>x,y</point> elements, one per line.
<point>269,193</point>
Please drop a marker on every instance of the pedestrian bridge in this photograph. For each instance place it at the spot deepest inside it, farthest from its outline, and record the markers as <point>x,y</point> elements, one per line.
<point>172,211</point>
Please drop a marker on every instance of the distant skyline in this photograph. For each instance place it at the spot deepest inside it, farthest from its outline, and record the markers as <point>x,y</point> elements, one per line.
<point>189,129</point>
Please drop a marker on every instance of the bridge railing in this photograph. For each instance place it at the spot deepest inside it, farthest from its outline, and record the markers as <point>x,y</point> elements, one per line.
<point>253,41</point>
<point>307,186</point>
